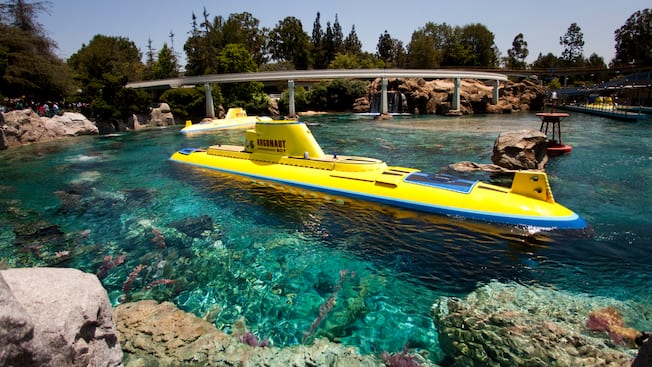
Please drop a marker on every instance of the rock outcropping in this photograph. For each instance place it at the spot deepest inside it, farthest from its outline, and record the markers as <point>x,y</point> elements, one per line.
<point>515,325</point>
<point>434,96</point>
<point>55,317</point>
<point>521,149</point>
<point>155,334</point>
<point>26,126</point>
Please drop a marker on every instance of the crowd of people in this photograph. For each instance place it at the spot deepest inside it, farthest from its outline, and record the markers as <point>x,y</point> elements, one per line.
<point>46,109</point>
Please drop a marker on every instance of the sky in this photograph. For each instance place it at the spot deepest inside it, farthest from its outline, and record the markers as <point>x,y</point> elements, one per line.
<point>73,23</point>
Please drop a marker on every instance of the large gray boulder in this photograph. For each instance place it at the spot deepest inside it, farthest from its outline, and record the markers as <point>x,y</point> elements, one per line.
<point>63,315</point>
<point>521,149</point>
<point>26,126</point>
<point>17,344</point>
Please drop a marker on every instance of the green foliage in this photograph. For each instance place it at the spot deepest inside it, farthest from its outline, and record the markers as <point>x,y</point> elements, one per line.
<point>335,95</point>
<point>517,54</point>
<point>187,103</point>
<point>288,42</point>
<point>235,58</point>
<point>428,45</point>
<point>117,56</point>
<point>103,68</point>
<point>480,42</point>
<point>352,43</point>
<point>554,84</point>
<point>436,45</point>
<point>573,42</point>
<point>634,39</point>
<point>547,62</point>
<point>28,64</point>
<point>301,102</point>
<point>130,101</point>
<point>317,42</point>
<point>355,61</point>
<point>165,66</point>
<point>208,40</point>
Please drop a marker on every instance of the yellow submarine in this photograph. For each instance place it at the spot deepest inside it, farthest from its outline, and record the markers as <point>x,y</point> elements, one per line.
<point>236,118</point>
<point>286,152</point>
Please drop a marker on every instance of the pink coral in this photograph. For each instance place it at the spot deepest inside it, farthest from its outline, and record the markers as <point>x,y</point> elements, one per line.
<point>609,319</point>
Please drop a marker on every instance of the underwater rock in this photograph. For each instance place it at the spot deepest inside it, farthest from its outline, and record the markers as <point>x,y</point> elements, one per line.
<point>33,236</point>
<point>515,325</point>
<point>193,226</point>
<point>163,335</point>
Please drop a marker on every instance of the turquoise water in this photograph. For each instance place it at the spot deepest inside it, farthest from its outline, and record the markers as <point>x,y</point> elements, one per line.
<point>297,265</point>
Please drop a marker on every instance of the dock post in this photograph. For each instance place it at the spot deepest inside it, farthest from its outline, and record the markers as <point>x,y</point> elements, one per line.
<point>383,96</point>
<point>494,99</point>
<point>291,112</point>
<point>210,109</point>
<point>455,105</point>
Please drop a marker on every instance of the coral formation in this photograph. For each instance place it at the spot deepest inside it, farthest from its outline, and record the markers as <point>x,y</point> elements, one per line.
<point>609,319</point>
<point>514,325</point>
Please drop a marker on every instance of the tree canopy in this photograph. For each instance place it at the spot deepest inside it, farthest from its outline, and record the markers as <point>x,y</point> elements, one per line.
<point>634,39</point>
<point>518,53</point>
<point>573,42</point>
<point>103,68</point>
<point>28,63</point>
<point>289,42</point>
<point>237,43</point>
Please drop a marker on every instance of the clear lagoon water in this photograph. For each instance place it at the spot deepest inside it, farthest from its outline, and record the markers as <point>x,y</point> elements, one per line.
<point>299,265</point>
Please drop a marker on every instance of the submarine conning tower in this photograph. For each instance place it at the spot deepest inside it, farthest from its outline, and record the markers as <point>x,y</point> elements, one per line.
<point>282,138</point>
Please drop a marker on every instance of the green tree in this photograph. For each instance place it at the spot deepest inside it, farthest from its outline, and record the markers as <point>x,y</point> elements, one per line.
<point>103,68</point>
<point>289,42</point>
<point>317,42</point>
<point>573,42</point>
<point>427,46</point>
<point>199,55</point>
<point>235,58</point>
<point>300,100</point>
<point>634,40</point>
<point>166,64</point>
<point>385,47</point>
<point>189,103</point>
<point>23,15</point>
<point>149,61</point>
<point>362,60</point>
<point>599,68</point>
<point>28,64</point>
<point>474,46</point>
<point>244,28</point>
<point>547,62</point>
<point>390,51</point>
<point>517,54</point>
<point>352,43</point>
<point>336,95</point>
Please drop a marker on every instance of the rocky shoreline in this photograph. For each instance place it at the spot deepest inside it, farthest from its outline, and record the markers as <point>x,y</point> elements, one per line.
<point>20,127</point>
<point>62,316</point>
<point>25,126</point>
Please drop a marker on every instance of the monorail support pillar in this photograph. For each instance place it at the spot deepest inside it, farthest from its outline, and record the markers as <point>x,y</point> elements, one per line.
<point>210,109</point>
<point>291,112</point>
<point>494,99</point>
<point>383,96</point>
<point>455,105</point>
